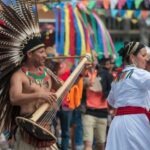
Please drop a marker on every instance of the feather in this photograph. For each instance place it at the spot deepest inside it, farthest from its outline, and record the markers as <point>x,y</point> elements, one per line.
<point>18,24</point>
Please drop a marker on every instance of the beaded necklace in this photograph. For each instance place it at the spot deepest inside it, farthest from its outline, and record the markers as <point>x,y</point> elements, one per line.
<point>39,78</point>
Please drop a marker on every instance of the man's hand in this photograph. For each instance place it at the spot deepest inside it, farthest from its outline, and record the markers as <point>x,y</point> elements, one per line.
<point>49,97</point>
<point>88,65</point>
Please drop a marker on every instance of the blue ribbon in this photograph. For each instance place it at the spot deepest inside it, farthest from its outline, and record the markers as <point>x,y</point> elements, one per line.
<point>78,36</point>
<point>62,29</point>
<point>137,13</point>
<point>122,12</point>
<point>92,41</point>
<point>56,29</point>
<point>93,21</point>
<point>100,41</point>
<point>114,12</point>
<point>129,3</point>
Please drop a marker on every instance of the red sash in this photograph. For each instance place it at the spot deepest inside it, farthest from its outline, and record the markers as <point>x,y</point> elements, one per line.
<point>132,110</point>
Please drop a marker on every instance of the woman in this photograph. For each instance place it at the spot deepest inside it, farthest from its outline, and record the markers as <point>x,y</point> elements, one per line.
<point>130,128</point>
<point>94,119</point>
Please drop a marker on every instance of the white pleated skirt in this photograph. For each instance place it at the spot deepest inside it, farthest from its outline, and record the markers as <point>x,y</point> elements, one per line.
<point>129,132</point>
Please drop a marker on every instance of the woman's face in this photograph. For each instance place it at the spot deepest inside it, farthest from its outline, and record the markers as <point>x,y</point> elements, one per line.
<point>148,60</point>
<point>140,59</point>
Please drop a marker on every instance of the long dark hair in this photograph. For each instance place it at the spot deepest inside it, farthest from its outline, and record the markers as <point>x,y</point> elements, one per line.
<point>8,112</point>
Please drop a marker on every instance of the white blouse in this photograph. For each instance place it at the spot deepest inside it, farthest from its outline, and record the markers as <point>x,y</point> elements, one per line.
<point>131,89</point>
<point>130,132</point>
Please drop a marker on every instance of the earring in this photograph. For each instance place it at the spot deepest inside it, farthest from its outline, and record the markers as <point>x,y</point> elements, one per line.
<point>135,63</point>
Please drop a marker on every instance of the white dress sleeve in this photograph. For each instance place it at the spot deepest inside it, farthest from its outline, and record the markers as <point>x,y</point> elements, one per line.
<point>142,79</point>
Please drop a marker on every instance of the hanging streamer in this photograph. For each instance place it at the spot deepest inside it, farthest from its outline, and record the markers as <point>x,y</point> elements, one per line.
<point>78,35</point>
<point>114,12</point>
<point>85,21</point>
<point>111,47</point>
<point>144,14</point>
<point>62,29</point>
<point>137,13</point>
<point>67,32</point>
<point>129,14</point>
<point>103,36</point>
<point>122,12</point>
<point>83,51</point>
<point>91,4</point>
<point>56,28</point>
<point>129,3</point>
<point>83,47</point>
<point>108,41</point>
<point>75,24</point>
<point>100,43</point>
<point>121,3</point>
<point>93,21</point>
<point>106,4</point>
<point>113,3</point>
<point>72,31</point>
<point>137,3</point>
<point>87,30</point>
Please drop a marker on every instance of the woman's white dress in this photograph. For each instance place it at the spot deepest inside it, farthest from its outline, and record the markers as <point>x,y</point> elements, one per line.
<point>130,132</point>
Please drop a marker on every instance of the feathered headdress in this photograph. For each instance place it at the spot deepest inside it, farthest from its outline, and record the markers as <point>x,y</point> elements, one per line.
<point>19,33</point>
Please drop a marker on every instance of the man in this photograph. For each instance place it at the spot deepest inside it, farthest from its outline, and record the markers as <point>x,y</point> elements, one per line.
<point>26,90</point>
<point>25,83</point>
<point>29,88</point>
<point>106,76</point>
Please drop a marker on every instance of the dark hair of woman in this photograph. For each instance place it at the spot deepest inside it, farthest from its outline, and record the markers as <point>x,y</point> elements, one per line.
<point>130,48</point>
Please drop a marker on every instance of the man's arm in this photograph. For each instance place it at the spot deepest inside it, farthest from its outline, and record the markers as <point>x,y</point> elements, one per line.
<point>17,97</point>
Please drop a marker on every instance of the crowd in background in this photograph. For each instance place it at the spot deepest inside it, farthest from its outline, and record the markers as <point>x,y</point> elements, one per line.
<point>83,126</point>
<point>72,125</point>
<point>86,126</point>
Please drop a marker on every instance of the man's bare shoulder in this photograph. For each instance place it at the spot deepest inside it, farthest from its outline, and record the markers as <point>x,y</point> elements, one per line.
<point>19,74</point>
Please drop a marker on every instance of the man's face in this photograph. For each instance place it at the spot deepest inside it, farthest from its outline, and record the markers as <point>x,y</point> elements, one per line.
<point>39,57</point>
<point>108,64</point>
<point>112,62</point>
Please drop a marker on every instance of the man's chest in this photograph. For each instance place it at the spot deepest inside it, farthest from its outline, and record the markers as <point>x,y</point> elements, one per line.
<point>34,86</point>
<point>37,81</point>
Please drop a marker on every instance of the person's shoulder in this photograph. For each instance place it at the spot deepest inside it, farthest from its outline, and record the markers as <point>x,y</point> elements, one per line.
<point>18,74</point>
<point>141,72</point>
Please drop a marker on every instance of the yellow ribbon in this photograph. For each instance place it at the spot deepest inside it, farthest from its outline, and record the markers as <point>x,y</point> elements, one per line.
<point>67,32</point>
<point>83,46</point>
<point>129,14</point>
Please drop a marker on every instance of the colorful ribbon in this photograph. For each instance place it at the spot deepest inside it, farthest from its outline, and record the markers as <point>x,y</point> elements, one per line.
<point>72,31</point>
<point>56,28</point>
<point>78,36</point>
<point>83,47</point>
<point>62,29</point>
<point>67,32</point>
